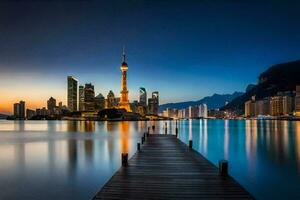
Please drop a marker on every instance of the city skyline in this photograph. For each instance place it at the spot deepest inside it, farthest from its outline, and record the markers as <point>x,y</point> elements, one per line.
<point>42,43</point>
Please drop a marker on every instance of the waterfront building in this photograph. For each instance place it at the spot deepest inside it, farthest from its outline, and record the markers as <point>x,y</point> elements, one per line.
<point>41,111</point>
<point>143,97</point>
<point>180,114</point>
<point>134,106</point>
<point>51,105</point>
<point>171,113</point>
<point>150,106</point>
<point>72,93</point>
<point>30,113</point>
<point>249,108</point>
<point>142,110</point>
<point>276,105</point>
<point>193,112</point>
<point>153,103</point>
<point>16,110</point>
<point>202,111</point>
<point>297,101</point>
<point>19,110</point>
<point>89,96</point>
<point>81,98</point>
<point>124,101</point>
<point>111,100</point>
<point>262,107</point>
<point>99,102</point>
<point>287,105</point>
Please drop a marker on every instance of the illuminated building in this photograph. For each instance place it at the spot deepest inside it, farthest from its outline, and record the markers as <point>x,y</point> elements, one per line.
<point>124,102</point>
<point>51,105</point>
<point>19,110</point>
<point>89,95</point>
<point>111,100</point>
<point>153,103</point>
<point>193,112</point>
<point>276,105</point>
<point>81,98</point>
<point>297,101</point>
<point>72,93</point>
<point>249,108</point>
<point>99,102</point>
<point>262,107</point>
<point>202,111</point>
<point>143,96</point>
<point>287,102</point>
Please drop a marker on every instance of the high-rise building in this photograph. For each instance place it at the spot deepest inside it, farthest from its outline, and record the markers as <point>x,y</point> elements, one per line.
<point>111,100</point>
<point>262,107</point>
<point>16,110</point>
<point>72,93</point>
<point>276,105</point>
<point>249,108</point>
<point>202,111</point>
<point>153,103</point>
<point>155,97</point>
<point>143,96</point>
<point>124,101</point>
<point>81,98</point>
<point>19,110</point>
<point>297,101</point>
<point>193,111</point>
<point>51,105</point>
<point>89,96</point>
<point>287,105</point>
<point>99,102</point>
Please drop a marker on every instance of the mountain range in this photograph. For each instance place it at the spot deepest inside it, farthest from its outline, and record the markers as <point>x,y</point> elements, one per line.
<point>213,102</point>
<point>278,78</point>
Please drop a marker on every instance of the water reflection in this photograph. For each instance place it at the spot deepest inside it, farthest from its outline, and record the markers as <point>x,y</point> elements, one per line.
<point>74,165</point>
<point>76,158</point>
<point>262,154</point>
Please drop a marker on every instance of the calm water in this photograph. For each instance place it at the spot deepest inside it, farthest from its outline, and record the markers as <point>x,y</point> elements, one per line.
<point>65,159</point>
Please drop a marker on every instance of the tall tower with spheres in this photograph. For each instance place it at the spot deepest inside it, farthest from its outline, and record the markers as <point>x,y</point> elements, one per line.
<point>124,101</point>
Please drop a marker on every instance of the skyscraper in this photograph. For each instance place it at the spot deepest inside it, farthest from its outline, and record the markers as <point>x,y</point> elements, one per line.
<point>202,110</point>
<point>19,110</point>
<point>143,96</point>
<point>155,97</point>
<point>51,104</point>
<point>72,93</point>
<point>81,98</point>
<point>124,102</point>
<point>297,101</point>
<point>89,95</point>
<point>153,103</point>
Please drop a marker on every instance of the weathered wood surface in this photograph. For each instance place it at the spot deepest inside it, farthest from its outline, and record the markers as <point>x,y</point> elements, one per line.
<point>165,168</point>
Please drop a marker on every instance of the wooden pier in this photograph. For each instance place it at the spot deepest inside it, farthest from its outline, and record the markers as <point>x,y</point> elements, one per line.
<point>166,168</point>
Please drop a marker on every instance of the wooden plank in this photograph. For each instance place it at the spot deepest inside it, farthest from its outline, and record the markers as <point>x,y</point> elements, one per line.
<point>166,168</point>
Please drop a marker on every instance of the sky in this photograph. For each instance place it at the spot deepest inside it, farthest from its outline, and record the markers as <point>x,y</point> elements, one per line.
<point>186,50</point>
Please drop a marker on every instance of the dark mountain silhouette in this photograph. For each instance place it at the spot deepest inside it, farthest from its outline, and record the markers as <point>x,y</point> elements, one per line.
<point>214,101</point>
<point>281,77</point>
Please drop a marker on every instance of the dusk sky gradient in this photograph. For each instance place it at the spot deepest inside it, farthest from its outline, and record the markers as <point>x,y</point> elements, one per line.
<point>184,49</point>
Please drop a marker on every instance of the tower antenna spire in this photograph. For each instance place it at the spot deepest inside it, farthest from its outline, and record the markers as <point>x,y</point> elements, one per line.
<point>123,54</point>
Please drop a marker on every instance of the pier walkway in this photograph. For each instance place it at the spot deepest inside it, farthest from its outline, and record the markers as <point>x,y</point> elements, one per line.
<point>166,168</point>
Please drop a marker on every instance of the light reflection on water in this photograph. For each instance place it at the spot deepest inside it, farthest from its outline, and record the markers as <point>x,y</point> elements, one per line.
<point>264,156</point>
<point>72,160</point>
<point>62,159</point>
